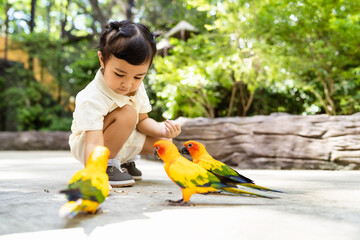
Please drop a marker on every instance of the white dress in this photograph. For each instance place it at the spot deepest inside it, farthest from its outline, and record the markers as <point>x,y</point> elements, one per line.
<point>96,101</point>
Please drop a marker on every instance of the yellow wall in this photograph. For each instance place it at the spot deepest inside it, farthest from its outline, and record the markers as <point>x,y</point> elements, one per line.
<point>18,55</point>
<point>40,74</point>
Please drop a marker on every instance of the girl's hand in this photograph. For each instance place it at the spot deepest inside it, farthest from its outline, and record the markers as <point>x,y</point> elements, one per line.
<point>171,129</point>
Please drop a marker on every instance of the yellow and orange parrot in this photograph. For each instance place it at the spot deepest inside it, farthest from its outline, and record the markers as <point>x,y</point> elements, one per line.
<point>89,186</point>
<point>190,177</point>
<point>224,172</point>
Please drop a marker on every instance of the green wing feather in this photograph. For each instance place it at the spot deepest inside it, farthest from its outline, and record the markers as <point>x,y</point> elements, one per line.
<point>94,188</point>
<point>85,190</point>
<point>187,174</point>
<point>221,170</point>
<point>228,175</point>
<point>218,168</point>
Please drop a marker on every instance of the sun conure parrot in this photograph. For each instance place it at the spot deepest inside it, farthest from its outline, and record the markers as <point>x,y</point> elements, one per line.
<point>89,186</point>
<point>224,172</point>
<point>190,177</point>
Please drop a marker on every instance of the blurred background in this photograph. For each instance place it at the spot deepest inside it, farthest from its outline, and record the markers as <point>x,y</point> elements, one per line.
<point>216,58</point>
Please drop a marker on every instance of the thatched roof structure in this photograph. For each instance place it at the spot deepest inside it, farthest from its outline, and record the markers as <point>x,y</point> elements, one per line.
<point>162,47</point>
<point>182,30</point>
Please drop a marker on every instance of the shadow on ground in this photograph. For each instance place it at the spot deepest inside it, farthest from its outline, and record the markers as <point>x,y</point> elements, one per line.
<point>317,205</point>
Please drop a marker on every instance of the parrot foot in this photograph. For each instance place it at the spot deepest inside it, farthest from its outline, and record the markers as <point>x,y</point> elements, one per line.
<point>213,193</point>
<point>180,202</point>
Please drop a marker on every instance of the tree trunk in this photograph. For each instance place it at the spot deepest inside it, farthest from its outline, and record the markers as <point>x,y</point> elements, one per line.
<point>6,30</point>
<point>32,26</point>
<point>232,99</point>
<point>48,21</point>
<point>63,32</point>
<point>32,18</point>
<point>97,13</point>
<point>245,99</point>
<point>59,78</point>
<point>233,92</point>
<point>249,102</point>
<point>129,6</point>
<point>328,91</point>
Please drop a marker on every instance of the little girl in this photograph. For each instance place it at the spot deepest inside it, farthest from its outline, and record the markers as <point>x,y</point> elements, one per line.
<point>112,109</point>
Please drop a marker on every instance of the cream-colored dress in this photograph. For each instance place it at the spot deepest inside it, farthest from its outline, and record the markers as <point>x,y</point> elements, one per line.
<point>92,104</point>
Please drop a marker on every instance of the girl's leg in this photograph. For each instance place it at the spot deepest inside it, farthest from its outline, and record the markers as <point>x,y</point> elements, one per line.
<point>146,149</point>
<point>118,126</point>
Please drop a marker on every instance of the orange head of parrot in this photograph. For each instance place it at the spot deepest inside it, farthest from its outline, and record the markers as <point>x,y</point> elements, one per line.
<point>193,148</point>
<point>165,150</point>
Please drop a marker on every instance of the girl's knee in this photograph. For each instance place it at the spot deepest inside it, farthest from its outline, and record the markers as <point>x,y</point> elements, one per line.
<point>126,116</point>
<point>128,111</point>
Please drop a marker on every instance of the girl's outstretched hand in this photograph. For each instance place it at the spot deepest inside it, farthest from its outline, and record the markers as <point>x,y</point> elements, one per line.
<point>171,129</point>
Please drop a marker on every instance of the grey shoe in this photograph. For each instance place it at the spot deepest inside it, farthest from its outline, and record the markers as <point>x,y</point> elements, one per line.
<point>118,178</point>
<point>132,170</point>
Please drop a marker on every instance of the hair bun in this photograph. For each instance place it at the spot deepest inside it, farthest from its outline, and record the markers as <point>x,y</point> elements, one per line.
<point>121,32</point>
<point>132,42</point>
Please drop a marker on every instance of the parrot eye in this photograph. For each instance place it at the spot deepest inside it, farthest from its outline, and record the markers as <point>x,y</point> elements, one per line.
<point>190,145</point>
<point>157,148</point>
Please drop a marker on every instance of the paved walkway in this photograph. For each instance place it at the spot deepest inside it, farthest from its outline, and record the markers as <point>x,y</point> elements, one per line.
<point>318,205</point>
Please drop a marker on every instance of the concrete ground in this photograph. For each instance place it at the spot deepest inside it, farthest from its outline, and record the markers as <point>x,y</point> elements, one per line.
<point>317,205</point>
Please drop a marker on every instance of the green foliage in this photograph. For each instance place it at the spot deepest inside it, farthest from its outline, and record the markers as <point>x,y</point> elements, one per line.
<point>54,55</point>
<point>59,123</point>
<point>314,44</point>
<point>83,70</point>
<point>185,80</point>
<point>200,73</point>
<point>165,14</point>
<point>249,58</point>
<point>28,105</point>
<point>298,57</point>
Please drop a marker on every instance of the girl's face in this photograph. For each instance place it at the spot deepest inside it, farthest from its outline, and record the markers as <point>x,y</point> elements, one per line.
<point>122,77</point>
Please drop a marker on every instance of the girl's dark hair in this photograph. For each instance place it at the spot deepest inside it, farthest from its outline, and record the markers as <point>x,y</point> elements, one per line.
<point>132,42</point>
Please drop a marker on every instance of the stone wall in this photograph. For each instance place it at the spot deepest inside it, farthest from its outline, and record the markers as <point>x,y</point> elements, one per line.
<point>34,140</point>
<point>279,141</point>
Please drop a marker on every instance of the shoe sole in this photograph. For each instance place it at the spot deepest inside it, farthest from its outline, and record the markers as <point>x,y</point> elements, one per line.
<point>137,177</point>
<point>122,183</point>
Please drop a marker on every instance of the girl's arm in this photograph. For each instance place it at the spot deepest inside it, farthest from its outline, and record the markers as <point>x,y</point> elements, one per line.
<point>92,139</point>
<point>149,127</point>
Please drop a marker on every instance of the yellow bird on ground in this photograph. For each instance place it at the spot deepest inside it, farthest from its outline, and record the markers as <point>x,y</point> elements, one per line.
<point>224,172</point>
<point>88,187</point>
<point>190,177</point>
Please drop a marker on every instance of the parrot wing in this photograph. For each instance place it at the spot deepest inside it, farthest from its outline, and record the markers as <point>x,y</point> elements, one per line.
<point>94,188</point>
<point>189,175</point>
<point>228,175</point>
<point>222,171</point>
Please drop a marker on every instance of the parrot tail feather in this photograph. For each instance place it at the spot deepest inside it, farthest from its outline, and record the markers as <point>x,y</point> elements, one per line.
<point>242,192</point>
<point>254,186</point>
<point>70,209</point>
<point>241,179</point>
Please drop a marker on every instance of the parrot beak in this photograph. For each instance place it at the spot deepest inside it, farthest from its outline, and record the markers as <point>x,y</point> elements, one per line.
<point>185,151</point>
<point>156,154</point>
